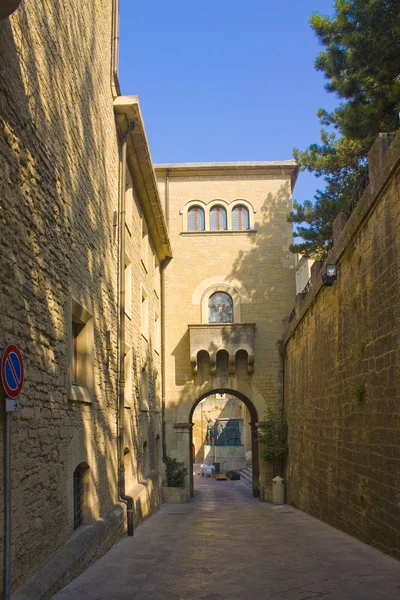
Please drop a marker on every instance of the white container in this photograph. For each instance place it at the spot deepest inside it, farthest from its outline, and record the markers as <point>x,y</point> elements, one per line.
<point>278,490</point>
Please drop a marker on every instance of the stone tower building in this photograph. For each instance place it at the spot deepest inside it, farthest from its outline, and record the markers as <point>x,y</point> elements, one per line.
<point>227,291</point>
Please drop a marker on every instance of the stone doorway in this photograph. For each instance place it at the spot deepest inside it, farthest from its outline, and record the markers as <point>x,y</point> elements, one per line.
<point>224,433</point>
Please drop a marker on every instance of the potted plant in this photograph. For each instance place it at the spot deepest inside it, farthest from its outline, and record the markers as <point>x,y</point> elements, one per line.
<point>175,473</point>
<point>274,440</point>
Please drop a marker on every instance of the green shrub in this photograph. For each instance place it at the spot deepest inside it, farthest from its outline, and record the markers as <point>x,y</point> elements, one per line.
<point>274,440</point>
<point>175,472</point>
<point>360,392</point>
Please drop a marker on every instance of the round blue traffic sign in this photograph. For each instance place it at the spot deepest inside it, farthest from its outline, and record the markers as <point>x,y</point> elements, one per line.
<point>12,371</point>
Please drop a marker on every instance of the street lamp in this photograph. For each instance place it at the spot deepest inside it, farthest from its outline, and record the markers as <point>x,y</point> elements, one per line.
<point>330,275</point>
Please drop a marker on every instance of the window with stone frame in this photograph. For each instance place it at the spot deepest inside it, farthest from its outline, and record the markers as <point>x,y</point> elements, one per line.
<point>157,333</point>
<point>220,307</point>
<point>81,348</point>
<point>144,248</point>
<point>128,201</point>
<point>218,220</point>
<point>144,389</point>
<point>157,277</point>
<point>144,313</point>
<point>145,458</point>
<point>128,286</point>
<point>240,218</point>
<point>128,375</point>
<point>196,221</point>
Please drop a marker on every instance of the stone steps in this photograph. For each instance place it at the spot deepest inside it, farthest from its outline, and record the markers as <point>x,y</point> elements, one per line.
<point>246,476</point>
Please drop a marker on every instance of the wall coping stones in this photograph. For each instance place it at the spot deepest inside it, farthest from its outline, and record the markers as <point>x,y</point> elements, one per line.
<point>382,163</point>
<point>72,558</point>
<point>230,168</point>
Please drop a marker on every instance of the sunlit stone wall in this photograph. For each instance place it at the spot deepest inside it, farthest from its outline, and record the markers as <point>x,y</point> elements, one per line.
<point>342,374</point>
<point>59,177</point>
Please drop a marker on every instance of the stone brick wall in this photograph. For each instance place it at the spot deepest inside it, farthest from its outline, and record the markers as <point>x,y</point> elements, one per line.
<point>342,375</point>
<point>143,403</point>
<point>59,186</point>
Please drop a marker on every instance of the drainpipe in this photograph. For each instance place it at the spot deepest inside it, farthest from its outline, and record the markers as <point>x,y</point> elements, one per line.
<point>121,342</point>
<point>162,269</point>
<point>115,48</point>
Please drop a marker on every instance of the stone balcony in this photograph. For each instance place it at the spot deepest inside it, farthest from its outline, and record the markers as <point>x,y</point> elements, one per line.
<point>230,337</point>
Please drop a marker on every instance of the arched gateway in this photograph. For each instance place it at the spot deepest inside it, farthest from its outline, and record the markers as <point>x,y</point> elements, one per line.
<point>254,438</point>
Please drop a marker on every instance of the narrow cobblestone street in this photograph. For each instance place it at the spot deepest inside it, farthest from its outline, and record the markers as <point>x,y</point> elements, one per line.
<point>225,544</point>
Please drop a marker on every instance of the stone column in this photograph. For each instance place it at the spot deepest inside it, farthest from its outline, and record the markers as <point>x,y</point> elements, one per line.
<point>255,460</point>
<point>183,437</point>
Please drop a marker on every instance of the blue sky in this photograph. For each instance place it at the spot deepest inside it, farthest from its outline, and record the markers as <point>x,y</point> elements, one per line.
<point>225,80</point>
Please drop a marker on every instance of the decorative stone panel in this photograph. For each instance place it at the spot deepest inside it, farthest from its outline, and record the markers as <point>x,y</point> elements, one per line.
<point>231,337</point>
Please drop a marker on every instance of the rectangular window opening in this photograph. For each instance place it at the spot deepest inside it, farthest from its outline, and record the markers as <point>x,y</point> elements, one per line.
<point>81,353</point>
<point>128,286</point>
<point>144,313</point>
<point>144,250</point>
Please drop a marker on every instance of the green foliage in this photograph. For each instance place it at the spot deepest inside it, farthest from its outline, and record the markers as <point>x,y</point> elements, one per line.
<point>281,347</point>
<point>360,392</point>
<point>360,60</point>
<point>274,438</point>
<point>175,472</point>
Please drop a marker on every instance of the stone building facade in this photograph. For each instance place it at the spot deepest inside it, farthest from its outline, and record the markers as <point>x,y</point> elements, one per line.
<point>227,292</point>
<point>62,138</point>
<point>342,371</point>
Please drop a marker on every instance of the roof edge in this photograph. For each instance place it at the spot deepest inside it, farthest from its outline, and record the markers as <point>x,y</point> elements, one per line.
<point>289,164</point>
<point>127,109</point>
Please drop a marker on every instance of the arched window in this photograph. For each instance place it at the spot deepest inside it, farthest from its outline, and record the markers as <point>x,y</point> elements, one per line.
<point>240,218</point>
<point>217,218</point>
<point>81,493</point>
<point>220,307</point>
<point>196,219</point>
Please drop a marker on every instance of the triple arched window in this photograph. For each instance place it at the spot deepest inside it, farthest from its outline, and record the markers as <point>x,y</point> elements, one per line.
<point>220,218</point>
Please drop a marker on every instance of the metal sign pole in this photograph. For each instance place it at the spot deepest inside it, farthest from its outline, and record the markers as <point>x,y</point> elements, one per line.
<point>12,380</point>
<point>7,508</point>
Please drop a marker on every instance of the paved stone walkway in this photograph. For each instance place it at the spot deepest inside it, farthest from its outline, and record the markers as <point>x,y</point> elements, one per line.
<point>225,544</point>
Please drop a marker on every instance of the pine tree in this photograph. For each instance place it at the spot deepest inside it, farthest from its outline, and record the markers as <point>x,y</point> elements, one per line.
<point>361,61</point>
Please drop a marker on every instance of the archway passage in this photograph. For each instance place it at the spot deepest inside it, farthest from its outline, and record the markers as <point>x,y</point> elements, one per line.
<point>223,434</point>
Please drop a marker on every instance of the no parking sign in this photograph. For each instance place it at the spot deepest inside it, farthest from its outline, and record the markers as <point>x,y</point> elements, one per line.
<point>12,371</point>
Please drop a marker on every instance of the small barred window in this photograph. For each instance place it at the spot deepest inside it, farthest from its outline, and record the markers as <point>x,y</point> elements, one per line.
<point>81,485</point>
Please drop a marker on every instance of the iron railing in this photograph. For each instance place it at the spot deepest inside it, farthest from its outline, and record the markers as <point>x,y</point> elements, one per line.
<point>358,192</point>
<point>306,289</point>
<point>364,177</point>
